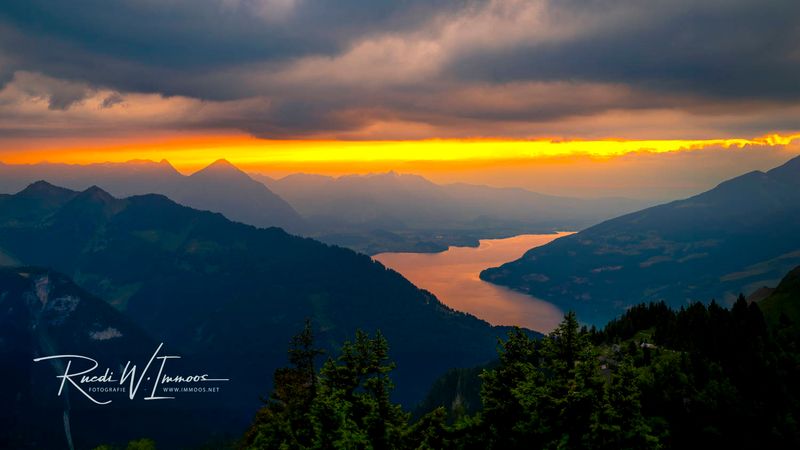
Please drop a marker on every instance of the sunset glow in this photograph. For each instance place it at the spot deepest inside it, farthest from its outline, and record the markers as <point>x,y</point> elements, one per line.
<point>190,153</point>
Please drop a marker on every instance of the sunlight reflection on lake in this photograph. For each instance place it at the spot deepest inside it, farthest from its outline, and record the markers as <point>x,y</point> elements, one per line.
<point>453,276</point>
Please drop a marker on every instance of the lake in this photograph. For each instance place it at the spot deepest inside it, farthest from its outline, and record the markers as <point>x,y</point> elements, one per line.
<point>453,276</point>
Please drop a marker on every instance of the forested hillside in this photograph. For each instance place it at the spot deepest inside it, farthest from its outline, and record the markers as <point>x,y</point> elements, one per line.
<point>698,377</point>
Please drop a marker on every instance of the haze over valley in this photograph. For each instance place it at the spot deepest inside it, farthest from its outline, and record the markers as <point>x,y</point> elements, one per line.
<point>368,213</point>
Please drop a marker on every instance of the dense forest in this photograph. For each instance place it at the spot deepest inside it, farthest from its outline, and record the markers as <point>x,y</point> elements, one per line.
<point>698,377</point>
<point>702,376</point>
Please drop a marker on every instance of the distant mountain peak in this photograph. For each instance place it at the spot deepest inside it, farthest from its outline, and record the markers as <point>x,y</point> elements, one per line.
<point>96,194</point>
<point>220,167</point>
<point>96,190</point>
<point>222,163</point>
<point>41,184</point>
<point>42,188</point>
<point>219,187</point>
<point>168,167</point>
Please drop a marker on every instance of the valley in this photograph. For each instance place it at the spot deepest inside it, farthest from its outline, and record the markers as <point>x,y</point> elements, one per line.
<point>453,276</point>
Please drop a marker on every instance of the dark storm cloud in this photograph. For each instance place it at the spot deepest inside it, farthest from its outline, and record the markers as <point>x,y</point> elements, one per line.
<point>731,48</point>
<point>168,46</point>
<point>298,67</point>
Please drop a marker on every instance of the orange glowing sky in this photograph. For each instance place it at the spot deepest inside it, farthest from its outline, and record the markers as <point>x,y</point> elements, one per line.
<point>590,98</point>
<point>334,156</point>
<point>653,169</point>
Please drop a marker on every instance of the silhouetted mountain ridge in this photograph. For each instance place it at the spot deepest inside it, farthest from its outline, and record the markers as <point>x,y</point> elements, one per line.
<point>220,187</point>
<point>369,213</point>
<point>735,238</point>
<point>221,289</point>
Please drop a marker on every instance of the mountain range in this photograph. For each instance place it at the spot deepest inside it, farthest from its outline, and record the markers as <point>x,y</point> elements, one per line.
<point>219,187</point>
<point>368,213</point>
<point>231,295</point>
<point>88,272</point>
<point>737,237</point>
<point>404,212</point>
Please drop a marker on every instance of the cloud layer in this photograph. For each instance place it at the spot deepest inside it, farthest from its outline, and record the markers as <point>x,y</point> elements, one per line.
<point>355,69</point>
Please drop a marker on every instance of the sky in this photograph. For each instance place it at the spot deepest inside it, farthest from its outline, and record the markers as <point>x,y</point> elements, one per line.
<point>503,92</point>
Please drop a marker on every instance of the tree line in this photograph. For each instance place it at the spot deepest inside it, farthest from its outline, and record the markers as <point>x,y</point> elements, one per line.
<point>701,376</point>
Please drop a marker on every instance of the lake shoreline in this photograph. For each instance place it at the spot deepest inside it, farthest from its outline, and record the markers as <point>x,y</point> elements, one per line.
<point>454,277</point>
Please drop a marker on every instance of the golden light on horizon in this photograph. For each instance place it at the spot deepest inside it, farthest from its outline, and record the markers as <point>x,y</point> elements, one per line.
<point>193,152</point>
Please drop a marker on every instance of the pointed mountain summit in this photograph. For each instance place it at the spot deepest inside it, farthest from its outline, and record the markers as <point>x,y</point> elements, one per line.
<point>734,238</point>
<point>92,204</point>
<point>37,199</point>
<point>220,187</point>
<point>96,194</point>
<point>42,189</point>
<point>223,163</point>
<point>220,167</point>
<point>223,187</point>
